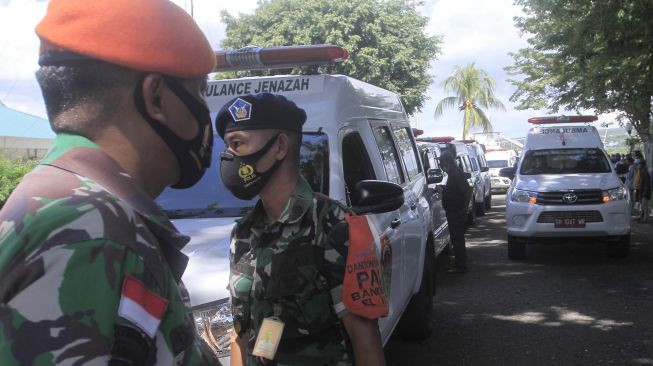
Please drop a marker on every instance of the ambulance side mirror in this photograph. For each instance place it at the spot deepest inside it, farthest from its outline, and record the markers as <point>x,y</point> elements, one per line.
<point>434,176</point>
<point>507,172</point>
<point>375,196</point>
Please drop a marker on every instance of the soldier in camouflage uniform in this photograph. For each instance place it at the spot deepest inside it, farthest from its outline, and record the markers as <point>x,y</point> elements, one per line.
<point>288,253</point>
<point>90,267</point>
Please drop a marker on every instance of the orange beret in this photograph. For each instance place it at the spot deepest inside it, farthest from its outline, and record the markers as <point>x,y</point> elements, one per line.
<point>147,35</point>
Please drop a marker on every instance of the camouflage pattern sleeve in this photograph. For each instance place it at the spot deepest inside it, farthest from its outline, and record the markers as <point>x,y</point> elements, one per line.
<point>336,245</point>
<point>79,288</point>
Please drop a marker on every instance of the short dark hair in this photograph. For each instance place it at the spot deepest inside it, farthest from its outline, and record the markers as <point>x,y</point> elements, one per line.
<point>93,84</point>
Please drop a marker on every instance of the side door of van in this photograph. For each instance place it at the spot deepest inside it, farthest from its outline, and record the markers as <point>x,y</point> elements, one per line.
<point>418,223</point>
<point>434,191</point>
<point>365,158</point>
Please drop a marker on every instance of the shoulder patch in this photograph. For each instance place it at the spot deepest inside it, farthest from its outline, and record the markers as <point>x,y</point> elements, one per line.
<point>141,306</point>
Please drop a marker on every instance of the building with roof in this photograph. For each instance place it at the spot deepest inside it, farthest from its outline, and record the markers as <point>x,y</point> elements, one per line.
<point>22,135</point>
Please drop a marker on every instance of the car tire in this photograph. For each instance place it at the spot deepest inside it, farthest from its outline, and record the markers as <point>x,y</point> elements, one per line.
<point>620,248</point>
<point>488,202</point>
<point>416,322</point>
<point>516,248</point>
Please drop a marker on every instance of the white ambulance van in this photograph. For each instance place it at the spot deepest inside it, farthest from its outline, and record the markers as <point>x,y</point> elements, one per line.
<point>565,187</point>
<point>356,135</point>
<point>497,159</point>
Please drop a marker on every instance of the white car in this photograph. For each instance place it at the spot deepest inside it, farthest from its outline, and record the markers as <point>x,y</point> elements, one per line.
<point>355,132</point>
<point>565,187</point>
<point>481,177</point>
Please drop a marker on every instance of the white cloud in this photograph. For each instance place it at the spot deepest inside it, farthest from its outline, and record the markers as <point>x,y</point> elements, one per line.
<point>480,31</point>
<point>19,44</point>
<point>474,31</point>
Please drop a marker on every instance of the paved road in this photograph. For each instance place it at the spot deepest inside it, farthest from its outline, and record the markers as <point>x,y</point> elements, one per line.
<point>564,305</point>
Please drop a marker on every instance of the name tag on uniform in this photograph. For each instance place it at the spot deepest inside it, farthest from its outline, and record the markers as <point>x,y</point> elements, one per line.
<point>268,338</point>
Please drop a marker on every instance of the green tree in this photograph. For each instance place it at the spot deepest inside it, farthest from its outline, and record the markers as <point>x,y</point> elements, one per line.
<point>474,90</point>
<point>385,39</point>
<point>587,54</point>
<point>11,172</point>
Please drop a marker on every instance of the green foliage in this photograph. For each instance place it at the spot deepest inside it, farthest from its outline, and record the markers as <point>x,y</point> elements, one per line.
<point>385,39</point>
<point>11,172</point>
<point>474,90</point>
<point>587,54</point>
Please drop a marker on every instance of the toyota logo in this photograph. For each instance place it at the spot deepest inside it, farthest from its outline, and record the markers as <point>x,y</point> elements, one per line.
<point>569,198</point>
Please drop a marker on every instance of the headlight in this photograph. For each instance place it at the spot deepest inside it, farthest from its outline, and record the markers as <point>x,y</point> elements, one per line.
<point>615,194</point>
<point>214,325</point>
<point>519,195</point>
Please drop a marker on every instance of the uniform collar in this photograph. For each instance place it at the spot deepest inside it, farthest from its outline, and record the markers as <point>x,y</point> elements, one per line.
<point>300,201</point>
<point>81,156</point>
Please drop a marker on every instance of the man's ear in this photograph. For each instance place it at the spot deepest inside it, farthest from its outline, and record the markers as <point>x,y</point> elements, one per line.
<point>283,147</point>
<point>153,85</point>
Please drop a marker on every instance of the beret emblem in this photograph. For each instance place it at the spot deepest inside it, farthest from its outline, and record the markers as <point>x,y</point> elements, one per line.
<point>240,110</point>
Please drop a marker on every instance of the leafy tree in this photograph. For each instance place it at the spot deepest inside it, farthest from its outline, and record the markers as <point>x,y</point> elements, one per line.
<point>11,172</point>
<point>385,39</point>
<point>587,54</point>
<point>474,90</point>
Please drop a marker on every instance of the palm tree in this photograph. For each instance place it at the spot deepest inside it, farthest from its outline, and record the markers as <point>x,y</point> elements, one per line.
<point>473,89</point>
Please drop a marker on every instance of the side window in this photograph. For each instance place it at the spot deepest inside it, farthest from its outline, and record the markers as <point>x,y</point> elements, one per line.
<point>407,152</point>
<point>467,163</point>
<point>481,161</point>
<point>461,164</point>
<point>356,163</point>
<point>430,161</point>
<point>389,155</point>
<point>434,160</point>
<point>474,164</point>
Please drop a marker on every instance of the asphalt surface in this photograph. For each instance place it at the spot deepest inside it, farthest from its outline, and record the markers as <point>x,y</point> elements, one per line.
<point>565,304</point>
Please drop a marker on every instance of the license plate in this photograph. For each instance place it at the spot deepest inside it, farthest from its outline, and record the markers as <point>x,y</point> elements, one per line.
<point>569,223</point>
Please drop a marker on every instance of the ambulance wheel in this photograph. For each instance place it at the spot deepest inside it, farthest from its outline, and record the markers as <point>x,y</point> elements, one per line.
<point>480,208</point>
<point>516,248</point>
<point>416,322</point>
<point>488,202</point>
<point>619,249</point>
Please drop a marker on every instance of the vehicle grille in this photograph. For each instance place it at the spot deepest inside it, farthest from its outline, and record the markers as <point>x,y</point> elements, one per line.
<point>550,216</point>
<point>585,197</point>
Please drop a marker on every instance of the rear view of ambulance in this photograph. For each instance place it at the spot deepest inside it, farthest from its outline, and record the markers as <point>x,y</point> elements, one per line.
<point>565,187</point>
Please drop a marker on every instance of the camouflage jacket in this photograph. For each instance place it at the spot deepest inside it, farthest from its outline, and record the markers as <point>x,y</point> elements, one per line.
<point>83,274</point>
<point>293,269</point>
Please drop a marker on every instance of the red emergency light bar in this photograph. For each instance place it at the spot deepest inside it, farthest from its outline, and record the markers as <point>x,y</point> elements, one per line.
<point>417,132</point>
<point>436,139</point>
<point>562,119</point>
<point>285,57</point>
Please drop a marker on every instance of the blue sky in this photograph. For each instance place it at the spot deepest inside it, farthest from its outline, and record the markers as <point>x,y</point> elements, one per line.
<point>480,31</point>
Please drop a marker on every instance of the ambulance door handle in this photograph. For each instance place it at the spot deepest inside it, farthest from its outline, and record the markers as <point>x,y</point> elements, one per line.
<point>413,206</point>
<point>395,223</point>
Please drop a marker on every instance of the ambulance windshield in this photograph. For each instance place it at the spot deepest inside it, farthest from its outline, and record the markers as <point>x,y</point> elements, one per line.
<point>210,198</point>
<point>564,161</point>
<point>497,163</point>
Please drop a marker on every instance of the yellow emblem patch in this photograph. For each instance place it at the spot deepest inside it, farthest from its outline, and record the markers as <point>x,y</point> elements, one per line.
<point>245,172</point>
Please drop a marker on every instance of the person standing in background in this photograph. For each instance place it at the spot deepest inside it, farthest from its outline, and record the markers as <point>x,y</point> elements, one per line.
<point>455,199</point>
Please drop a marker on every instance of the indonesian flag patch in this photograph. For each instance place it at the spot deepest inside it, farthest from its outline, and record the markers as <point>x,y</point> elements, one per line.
<point>141,306</point>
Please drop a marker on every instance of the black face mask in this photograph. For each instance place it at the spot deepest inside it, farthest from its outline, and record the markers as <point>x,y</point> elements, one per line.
<point>239,174</point>
<point>193,156</point>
